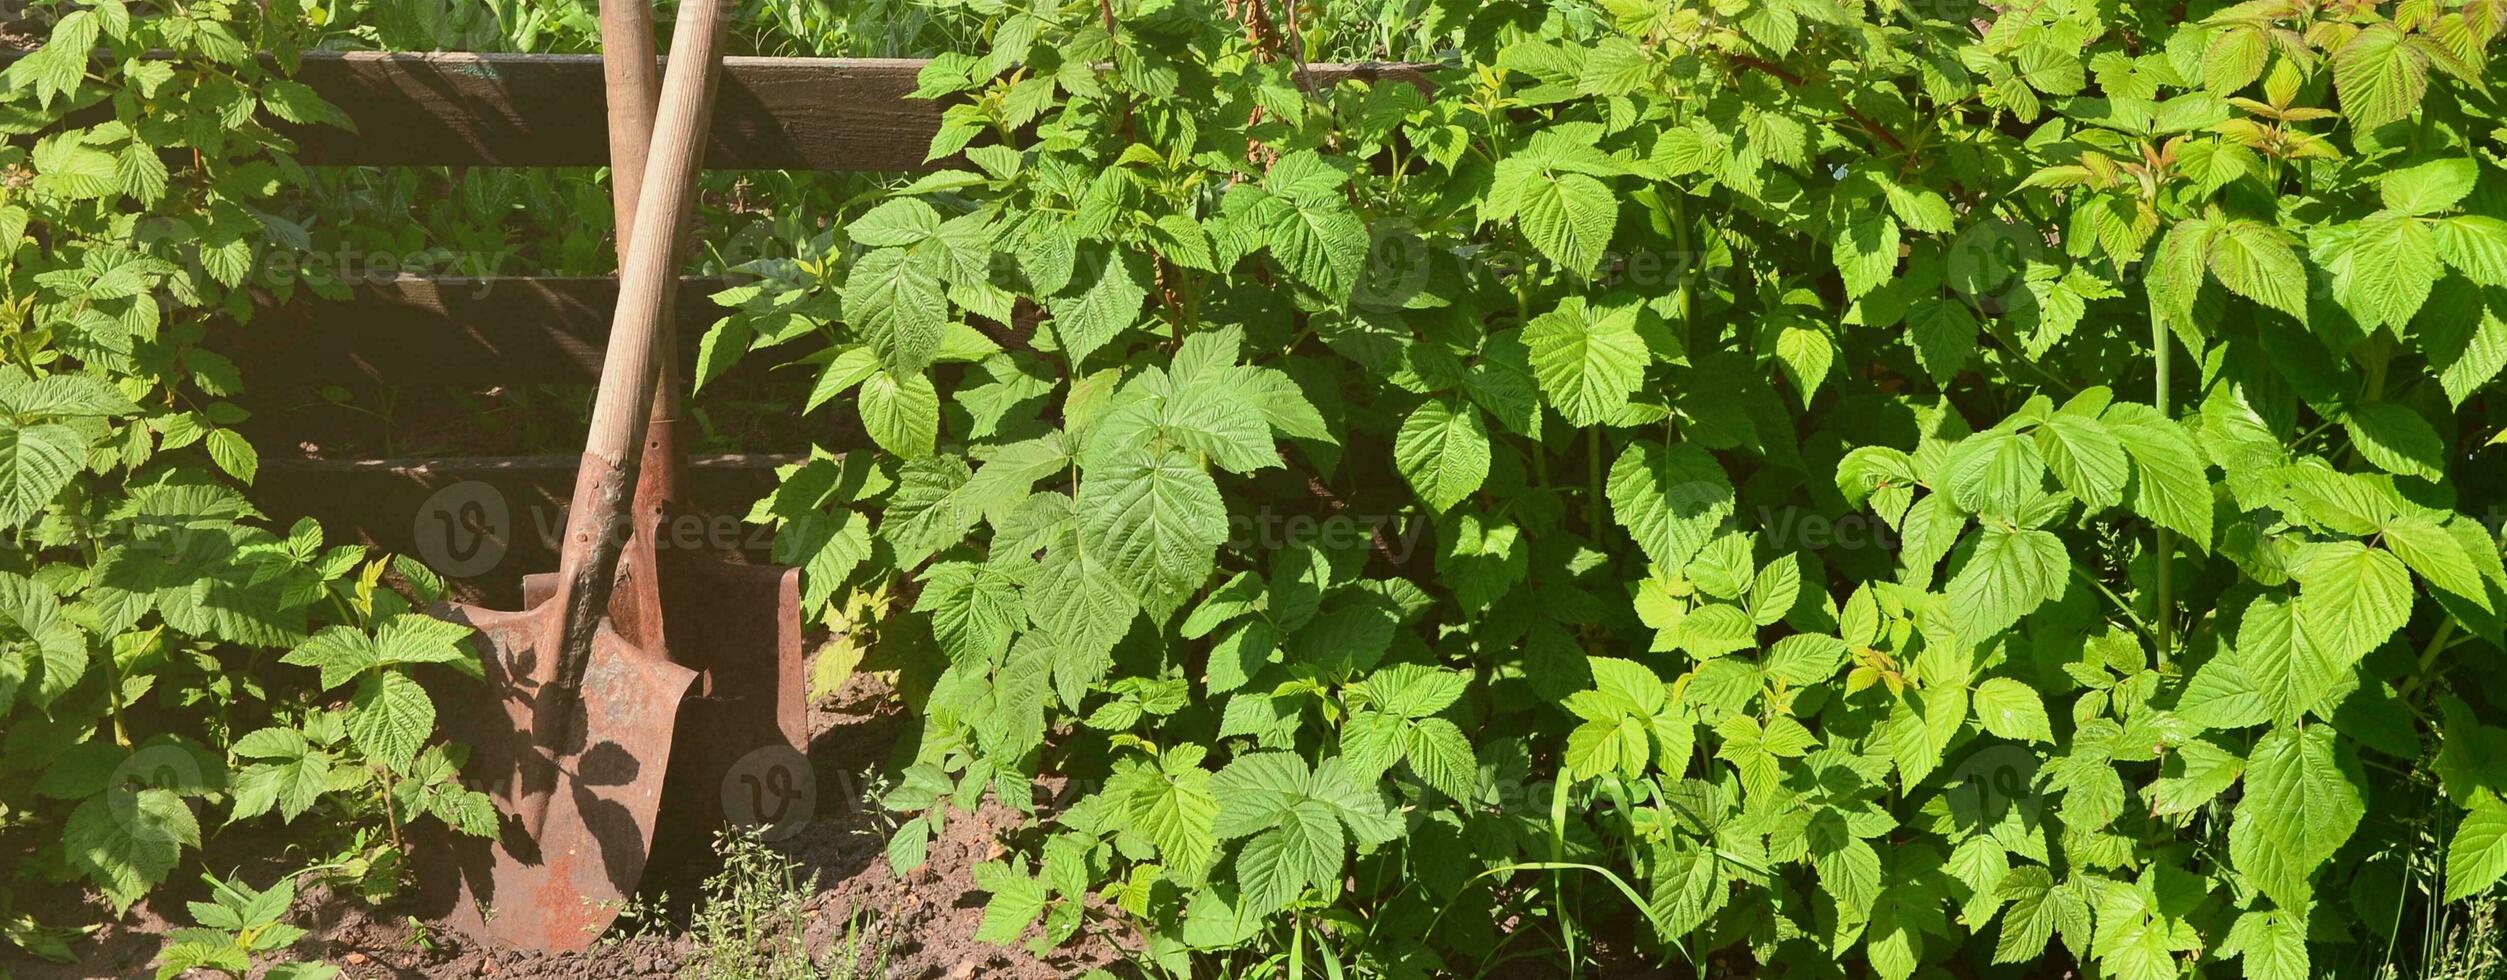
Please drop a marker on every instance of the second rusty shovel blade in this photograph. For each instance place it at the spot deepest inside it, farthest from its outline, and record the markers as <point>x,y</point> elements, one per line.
<point>742,759</point>
<point>559,889</point>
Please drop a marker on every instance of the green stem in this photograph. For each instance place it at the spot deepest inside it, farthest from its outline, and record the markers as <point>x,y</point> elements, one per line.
<point>1558,862</point>
<point>112,667</point>
<point>1593,482</point>
<point>2428,658</point>
<point>2122,606</point>
<point>1689,266</point>
<point>2378,355</point>
<point>391,817</point>
<point>1540,453</point>
<point>2164,572</point>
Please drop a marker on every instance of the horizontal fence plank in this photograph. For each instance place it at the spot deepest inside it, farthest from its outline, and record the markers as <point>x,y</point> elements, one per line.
<point>547,111</point>
<point>541,110</point>
<point>484,522</point>
<point>508,330</point>
<point>435,469</point>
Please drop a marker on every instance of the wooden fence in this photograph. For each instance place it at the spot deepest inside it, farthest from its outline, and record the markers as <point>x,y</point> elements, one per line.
<point>467,110</point>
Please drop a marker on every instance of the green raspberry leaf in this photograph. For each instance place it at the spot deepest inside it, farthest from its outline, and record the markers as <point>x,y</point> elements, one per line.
<point>1670,498</point>
<point>36,462</point>
<point>2303,799</point>
<point>2011,709</point>
<point>390,718</point>
<point>1588,359</point>
<point>2477,857</point>
<point>1570,217</point>
<point>1442,450</point>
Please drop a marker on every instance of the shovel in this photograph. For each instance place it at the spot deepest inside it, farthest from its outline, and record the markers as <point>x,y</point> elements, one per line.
<point>586,704</point>
<point>739,758</point>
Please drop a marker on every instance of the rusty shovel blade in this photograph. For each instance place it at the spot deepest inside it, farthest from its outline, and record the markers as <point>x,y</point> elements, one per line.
<point>740,757</point>
<point>558,889</point>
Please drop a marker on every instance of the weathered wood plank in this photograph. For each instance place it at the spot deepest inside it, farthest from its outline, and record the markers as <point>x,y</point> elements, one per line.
<point>447,330</point>
<point>539,110</point>
<point>484,522</point>
<point>546,111</point>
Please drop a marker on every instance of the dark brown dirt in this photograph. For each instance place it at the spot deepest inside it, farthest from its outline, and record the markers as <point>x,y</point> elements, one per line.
<point>926,921</point>
<point>920,927</point>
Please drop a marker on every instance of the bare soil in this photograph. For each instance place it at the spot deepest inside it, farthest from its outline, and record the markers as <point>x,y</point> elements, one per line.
<point>919,927</point>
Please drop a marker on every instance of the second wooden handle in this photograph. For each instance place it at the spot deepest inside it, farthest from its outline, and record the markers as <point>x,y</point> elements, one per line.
<point>650,274</point>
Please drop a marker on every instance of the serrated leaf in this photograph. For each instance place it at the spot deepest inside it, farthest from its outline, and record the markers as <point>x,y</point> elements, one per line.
<point>2273,944</point>
<point>2087,459</point>
<point>2431,551</point>
<point>2011,709</point>
<point>291,779</point>
<point>1175,808</point>
<point>2256,261</point>
<point>1440,754</point>
<point>1587,360</point>
<point>2383,267</point>
<point>126,842</point>
<point>2429,187</point>
<point>2039,908</point>
<point>2008,574</point>
<point>2171,478</point>
<point>2198,773</point>
<point>339,652</point>
<point>2234,59</point>
<point>1319,243</point>
<point>1848,868</point>
<point>2302,801</point>
<point>2398,440</point>
<point>2222,696</point>
<point>896,302</point>
<point>1305,848</point>
<point>390,718</point>
<point>1442,450</point>
<point>1671,498</point>
<point>2477,857</point>
<point>902,415</point>
<point>36,462</point>
<point>1943,332</point>
<point>897,222</point>
<point>2351,597</point>
<point>2379,76</point>
<point>1570,217</point>
<point>2475,245</point>
<point>1993,472</point>
<point>2288,671</point>
<point>1152,520</point>
<point>31,616</point>
<point>1807,356</point>
<point>1100,309</point>
<point>1865,250</point>
<point>1016,899</point>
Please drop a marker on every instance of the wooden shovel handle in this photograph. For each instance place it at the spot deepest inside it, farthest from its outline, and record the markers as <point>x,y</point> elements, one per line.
<point>597,522</point>
<point>634,80</point>
<point>635,94</point>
